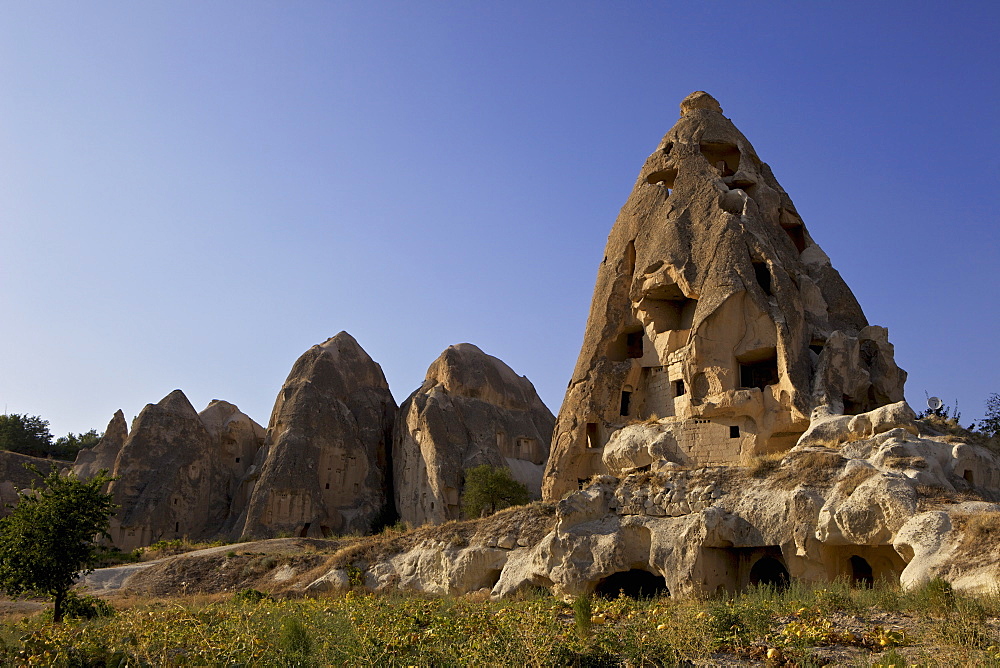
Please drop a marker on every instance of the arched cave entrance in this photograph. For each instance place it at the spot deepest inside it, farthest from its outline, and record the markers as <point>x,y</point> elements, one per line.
<point>769,572</point>
<point>490,578</point>
<point>861,572</point>
<point>636,583</point>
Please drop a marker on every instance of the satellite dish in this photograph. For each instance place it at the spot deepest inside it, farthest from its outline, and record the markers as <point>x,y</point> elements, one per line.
<point>934,403</point>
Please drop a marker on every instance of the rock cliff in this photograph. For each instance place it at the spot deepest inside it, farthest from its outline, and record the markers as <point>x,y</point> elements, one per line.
<point>471,409</point>
<point>324,465</point>
<point>14,477</point>
<point>716,315</point>
<point>103,455</point>
<point>177,470</point>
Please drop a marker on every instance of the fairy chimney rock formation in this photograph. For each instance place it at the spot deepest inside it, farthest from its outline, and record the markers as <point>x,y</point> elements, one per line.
<point>323,469</point>
<point>171,478</point>
<point>472,409</point>
<point>716,316</point>
<point>102,456</point>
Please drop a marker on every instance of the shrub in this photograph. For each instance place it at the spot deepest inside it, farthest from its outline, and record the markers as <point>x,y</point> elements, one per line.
<point>250,595</point>
<point>83,607</point>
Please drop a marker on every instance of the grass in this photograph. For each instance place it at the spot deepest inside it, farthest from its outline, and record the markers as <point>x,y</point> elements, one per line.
<point>802,624</point>
<point>788,470</point>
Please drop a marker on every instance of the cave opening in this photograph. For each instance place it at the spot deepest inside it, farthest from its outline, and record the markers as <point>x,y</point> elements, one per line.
<point>625,403</point>
<point>861,572</point>
<point>769,572</point>
<point>759,373</point>
<point>635,583</point>
<point>725,157</point>
<point>763,276</point>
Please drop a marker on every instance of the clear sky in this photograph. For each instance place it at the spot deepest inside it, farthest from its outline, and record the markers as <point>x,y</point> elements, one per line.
<point>194,193</point>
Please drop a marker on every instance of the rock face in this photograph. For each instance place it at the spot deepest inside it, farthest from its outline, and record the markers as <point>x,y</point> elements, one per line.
<point>324,465</point>
<point>715,315</point>
<point>472,409</point>
<point>177,471</point>
<point>893,507</point>
<point>238,438</point>
<point>103,455</point>
<point>14,477</point>
<point>878,508</point>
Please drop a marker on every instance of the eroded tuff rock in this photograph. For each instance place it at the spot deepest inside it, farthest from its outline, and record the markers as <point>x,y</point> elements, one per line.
<point>323,467</point>
<point>175,472</point>
<point>716,315</point>
<point>878,508</point>
<point>238,439</point>
<point>102,456</point>
<point>14,477</point>
<point>893,507</point>
<point>471,409</point>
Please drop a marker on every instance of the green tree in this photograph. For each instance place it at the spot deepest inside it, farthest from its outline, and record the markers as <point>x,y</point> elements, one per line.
<point>488,489</point>
<point>67,447</point>
<point>990,424</point>
<point>26,434</point>
<point>48,540</point>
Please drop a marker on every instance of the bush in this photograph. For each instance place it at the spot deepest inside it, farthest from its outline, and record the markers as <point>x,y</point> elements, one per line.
<point>83,607</point>
<point>249,595</point>
<point>489,489</point>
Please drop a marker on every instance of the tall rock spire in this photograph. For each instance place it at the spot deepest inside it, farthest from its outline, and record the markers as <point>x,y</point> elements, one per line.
<point>716,314</point>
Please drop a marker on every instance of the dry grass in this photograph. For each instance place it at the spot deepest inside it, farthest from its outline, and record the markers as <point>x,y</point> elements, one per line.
<point>810,468</point>
<point>948,429</point>
<point>761,466</point>
<point>531,522</point>
<point>978,531</point>
<point>933,498</point>
<point>652,421</point>
<point>853,480</point>
<point>906,462</point>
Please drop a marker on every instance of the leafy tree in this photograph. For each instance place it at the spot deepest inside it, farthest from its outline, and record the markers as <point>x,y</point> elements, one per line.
<point>67,447</point>
<point>48,540</point>
<point>26,434</point>
<point>990,424</point>
<point>488,489</point>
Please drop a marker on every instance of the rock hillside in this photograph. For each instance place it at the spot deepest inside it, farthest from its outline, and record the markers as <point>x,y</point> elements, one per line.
<point>471,409</point>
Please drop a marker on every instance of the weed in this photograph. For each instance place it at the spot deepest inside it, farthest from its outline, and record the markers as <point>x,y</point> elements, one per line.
<point>891,659</point>
<point>355,576</point>
<point>582,611</point>
<point>810,468</point>
<point>294,640</point>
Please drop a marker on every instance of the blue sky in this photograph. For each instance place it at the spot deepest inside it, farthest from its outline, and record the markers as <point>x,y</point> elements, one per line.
<point>193,193</point>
